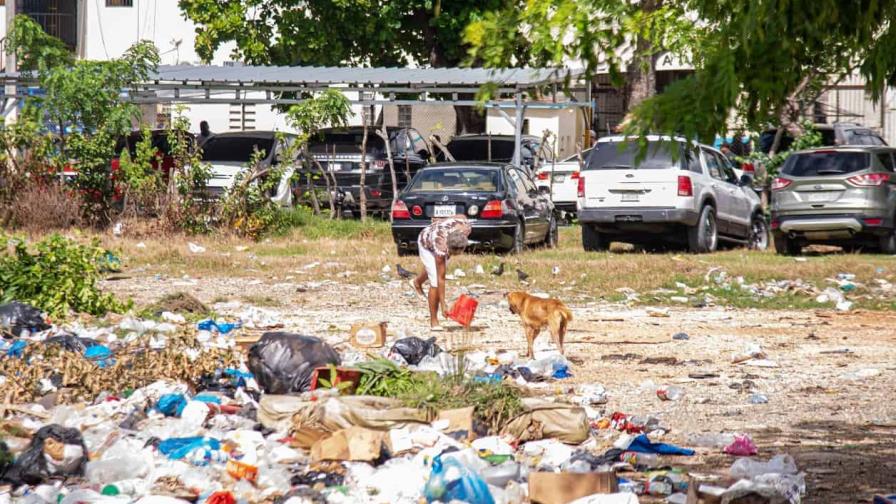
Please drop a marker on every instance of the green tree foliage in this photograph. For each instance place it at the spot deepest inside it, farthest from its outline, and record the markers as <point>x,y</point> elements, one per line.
<point>760,58</point>
<point>83,99</point>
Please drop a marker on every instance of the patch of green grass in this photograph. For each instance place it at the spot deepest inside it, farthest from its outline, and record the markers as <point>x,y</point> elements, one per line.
<point>315,227</point>
<point>262,301</point>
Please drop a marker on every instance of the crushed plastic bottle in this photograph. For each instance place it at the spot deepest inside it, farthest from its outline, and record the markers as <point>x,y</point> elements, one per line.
<point>639,459</point>
<point>670,393</point>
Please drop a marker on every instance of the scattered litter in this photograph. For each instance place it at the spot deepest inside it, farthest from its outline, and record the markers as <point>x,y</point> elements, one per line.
<point>196,249</point>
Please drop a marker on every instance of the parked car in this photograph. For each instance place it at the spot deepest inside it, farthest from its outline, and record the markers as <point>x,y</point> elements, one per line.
<point>838,196</point>
<point>495,149</point>
<point>230,153</point>
<point>506,210</point>
<point>831,135</point>
<point>338,150</point>
<point>680,192</point>
<point>562,181</point>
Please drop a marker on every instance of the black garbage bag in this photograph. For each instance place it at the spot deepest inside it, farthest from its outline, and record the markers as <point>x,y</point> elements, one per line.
<point>55,452</point>
<point>414,349</point>
<point>16,317</point>
<point>71,343</point>
<point>5,457</point>
<point>283,362</point>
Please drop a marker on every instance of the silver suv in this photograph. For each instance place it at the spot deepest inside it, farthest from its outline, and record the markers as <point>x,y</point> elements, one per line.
<point>835,196</point>
<point>677,191</point>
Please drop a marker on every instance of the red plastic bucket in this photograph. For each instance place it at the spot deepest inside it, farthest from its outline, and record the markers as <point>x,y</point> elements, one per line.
<point>463,310</point>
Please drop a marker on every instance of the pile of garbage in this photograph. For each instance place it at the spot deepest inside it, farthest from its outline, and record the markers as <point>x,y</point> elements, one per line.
<point>172,411</point>
<point>840,291</point>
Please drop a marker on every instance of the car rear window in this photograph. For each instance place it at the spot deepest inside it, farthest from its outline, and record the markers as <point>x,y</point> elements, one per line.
<point>624,156</point>
<point>457,180</point>
<point>479,149</point>
<point>861,137</point>
<point>811,164</point>
<point>235,149</point>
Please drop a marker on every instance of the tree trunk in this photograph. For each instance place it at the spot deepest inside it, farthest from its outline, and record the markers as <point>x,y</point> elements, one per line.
<point>467,118</point>
<point>641,81</point>
<point>363,193</point>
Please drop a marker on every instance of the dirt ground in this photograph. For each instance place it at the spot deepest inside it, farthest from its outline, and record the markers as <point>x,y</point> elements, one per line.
<point>840,427</point>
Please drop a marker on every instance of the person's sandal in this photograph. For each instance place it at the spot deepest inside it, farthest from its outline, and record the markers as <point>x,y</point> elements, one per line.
<point>437,328</point>
<point>414,288</point>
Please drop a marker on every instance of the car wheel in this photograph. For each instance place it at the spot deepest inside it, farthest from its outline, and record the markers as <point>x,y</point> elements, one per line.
<point>519,239</point>
<point>593,240</point>
<point>786,246</point>
<point>888,242</point>
<point>552,238</point>
<point>758,233</point>
<point>704,237</point>
<point>404,252</point>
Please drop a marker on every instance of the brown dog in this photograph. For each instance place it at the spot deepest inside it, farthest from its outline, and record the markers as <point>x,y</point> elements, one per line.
<point>537,313</point>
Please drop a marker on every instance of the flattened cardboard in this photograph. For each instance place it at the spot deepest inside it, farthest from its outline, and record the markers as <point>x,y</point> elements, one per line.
<point>355,443</point>
<point>563,488</point>
<point>459,420</point>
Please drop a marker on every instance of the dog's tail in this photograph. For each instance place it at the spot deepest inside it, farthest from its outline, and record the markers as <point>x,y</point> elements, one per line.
<point>567,315</point>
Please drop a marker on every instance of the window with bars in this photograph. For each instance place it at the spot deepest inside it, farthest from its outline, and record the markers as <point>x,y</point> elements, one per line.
<point>404,116</point>
<point>119,3</point>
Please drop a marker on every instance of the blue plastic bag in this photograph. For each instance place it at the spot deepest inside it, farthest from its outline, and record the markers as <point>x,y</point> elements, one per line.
<point>643,444</point>
<point>17,349</point>
<point>178,448</point>
<point>171,404</point>
<point>99,354</point>
<point>451,480</point>
<point>561,371</point>
<point>222,327</point>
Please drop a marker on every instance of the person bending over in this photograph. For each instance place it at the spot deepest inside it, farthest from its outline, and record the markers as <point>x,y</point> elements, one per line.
<point>436,244</point>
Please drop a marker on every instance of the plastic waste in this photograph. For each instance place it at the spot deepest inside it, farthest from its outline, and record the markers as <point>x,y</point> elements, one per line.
<point>17,318</point>
<point>413,349</point>
<point>221,327</point>
<point>501,474</point>
<point>670,393</point>
<point>639,459</point>
<point>711,440</point>
<point>70,342</point>
<point>742,446</point>
<point>282,363</point>
<point>195,448</point>
<point>758,399</point>
<point>101,355</point>
<point>54,451</point>
<point>748,468</point>
<point>452,480</point>
<point>642,444</point>
<point>680,336</point>
<point>171,404</point>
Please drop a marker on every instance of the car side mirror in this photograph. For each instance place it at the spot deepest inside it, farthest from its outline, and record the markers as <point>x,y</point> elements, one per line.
<point>746,180</point>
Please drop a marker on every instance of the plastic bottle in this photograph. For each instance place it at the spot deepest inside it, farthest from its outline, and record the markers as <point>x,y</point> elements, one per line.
<point>670,393</point>
<point>658,487</point>
<point>639,459</point>
<point>710,440</point>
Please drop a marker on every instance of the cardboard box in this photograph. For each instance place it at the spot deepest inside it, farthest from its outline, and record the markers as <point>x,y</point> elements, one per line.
<point>562,488</point>
<point>368,335</point>
<point>355,443</point>
<point>458,420</point>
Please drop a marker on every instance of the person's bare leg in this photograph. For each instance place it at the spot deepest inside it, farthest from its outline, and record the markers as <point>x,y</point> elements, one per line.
<point>441,267</point>
<point>418,282</point>
<point>433,306</point>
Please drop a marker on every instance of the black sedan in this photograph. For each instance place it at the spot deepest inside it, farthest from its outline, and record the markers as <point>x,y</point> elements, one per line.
<point>506,210</point>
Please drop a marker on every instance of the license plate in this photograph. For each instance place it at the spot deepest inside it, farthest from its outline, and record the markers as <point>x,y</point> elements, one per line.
<point>630,197</point>
<point>823,196</point>
<point>559,178</point>
<point>443,211</point>
<point>335,167</point>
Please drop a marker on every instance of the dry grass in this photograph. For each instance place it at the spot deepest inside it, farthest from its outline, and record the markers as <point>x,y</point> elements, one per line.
<point>598,275</point>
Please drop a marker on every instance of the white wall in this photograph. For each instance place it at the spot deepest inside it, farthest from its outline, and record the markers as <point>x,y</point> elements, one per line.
<point>566,126</point>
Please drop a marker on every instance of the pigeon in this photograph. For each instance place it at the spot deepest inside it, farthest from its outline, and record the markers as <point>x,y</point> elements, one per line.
<point>522,275</point>
<point>499,270</point>
<point>403,273</point>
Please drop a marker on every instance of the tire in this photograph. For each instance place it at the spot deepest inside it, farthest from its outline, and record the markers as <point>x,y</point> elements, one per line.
<point>888,242</point>
<point>704,237</point>
<point>552,237</point>
<point>786,246</point>
<point>519,239</point>
<point>758,233</point>
<point>404,252</point>
<point>593,240</point>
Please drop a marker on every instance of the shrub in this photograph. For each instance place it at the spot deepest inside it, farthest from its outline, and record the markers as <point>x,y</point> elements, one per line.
<point>45,206</point>
<point>59,276</point>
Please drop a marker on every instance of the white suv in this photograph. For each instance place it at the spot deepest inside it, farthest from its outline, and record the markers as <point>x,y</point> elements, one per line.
<point>680,192</point>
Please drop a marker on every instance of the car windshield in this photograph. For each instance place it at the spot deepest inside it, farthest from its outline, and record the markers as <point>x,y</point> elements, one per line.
<point>810,164</point>
<point>346,142</point>
<point>861,137</point>
<point>234,148</point>
<point>624,156</point>
<point>457,180</point>
<point>575,157</point>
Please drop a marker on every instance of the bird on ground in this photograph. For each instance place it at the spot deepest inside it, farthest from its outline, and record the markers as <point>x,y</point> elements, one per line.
<point>403,273</point>
<point>522,275</point>
<point>499,270</point>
